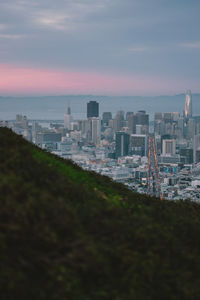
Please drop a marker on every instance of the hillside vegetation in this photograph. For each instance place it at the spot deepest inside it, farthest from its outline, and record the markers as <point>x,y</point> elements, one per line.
<point>66,233</point>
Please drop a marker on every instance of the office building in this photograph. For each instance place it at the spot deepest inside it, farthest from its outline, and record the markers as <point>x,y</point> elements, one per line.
<point>197,156</point>
<point>141,118</point>
<point>168,147</point>
<point>138,144</point>
<point>131,122</point>
<point>188,105</point>
<point>128,114</point>
<point>186,155</point>
<point>21,122</point>
<point>167,117</point>
<point>122,143</point>
<point>158,123</point>
<point>95,130</point>
<point>46,137</point>
<point>189,129</point>
<point>92,109</point>
<point>106,117</point>
<point>118,121</point>
<point>68,119</point>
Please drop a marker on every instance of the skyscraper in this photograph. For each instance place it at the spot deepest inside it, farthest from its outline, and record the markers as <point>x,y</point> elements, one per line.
<point>141,118</point>
<point>158,123</point>
<point>95,130</point>
<point>68,119</point>
<point>138,144</point>
<point>188,105</point>
<point>122,143</point>
<point>107,116</point>
<point>118,121</point>
<point>92,109</point>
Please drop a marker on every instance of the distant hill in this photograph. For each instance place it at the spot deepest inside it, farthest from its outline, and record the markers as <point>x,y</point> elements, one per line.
<point>66,233</point>
<point>53,107</point>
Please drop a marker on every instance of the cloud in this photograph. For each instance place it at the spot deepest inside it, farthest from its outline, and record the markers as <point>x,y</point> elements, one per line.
<point>191,45</point>
<point>11,36</point>
<point>67,15</point>
<point>2,27</point>
<point>19,80</point>
<point>103,36</point>
<point>137,49</point>
<point>52,20</point>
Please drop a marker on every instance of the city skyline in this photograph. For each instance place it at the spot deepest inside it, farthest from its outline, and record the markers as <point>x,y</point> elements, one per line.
<point>90,47</point>
<point>159,157</point>
<point>100,149</point>
<point>52,107</point>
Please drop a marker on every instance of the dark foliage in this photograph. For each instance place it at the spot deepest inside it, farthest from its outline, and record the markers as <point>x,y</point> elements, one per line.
<point>70,234</point>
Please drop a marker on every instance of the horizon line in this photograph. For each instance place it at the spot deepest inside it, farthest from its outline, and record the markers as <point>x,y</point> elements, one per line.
<point>89,95</point>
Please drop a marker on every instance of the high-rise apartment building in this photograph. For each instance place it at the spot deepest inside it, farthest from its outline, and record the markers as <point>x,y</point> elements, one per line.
<point>92,109</point>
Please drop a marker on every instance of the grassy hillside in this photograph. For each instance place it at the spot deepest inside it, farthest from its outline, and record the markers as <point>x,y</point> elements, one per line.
<point>70,234</point>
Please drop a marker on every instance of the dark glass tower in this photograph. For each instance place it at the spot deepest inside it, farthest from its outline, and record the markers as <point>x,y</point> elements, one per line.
<point>92,109</point>
<point>122,143</point>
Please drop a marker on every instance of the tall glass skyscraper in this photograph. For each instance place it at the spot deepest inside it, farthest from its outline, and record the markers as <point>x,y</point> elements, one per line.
<point>122,143</point>
<point>188,105</point>
<point>92,109</point>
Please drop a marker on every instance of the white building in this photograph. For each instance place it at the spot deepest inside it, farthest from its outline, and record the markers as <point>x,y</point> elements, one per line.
<point>68,119</point>
<point>169,147</point>
<point>95,130</point>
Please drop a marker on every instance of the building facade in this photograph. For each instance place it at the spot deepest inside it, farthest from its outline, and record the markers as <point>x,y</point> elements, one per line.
<point>92,109</point>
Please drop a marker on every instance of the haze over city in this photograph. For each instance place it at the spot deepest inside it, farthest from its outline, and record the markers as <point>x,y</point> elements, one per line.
<point>106,47</point>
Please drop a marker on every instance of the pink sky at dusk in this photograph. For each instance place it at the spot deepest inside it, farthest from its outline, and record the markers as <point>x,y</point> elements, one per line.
<point>23,80</point>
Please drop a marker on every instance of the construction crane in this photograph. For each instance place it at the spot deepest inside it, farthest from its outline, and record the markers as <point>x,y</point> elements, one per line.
<point>153,180</point>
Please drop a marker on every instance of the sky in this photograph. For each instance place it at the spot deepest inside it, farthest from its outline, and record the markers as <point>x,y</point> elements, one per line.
<point>103,47</point>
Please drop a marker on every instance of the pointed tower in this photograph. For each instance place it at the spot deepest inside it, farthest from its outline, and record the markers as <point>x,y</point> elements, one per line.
<point>188,105</point>
<point>68,118</point>
<point>68,109</point>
